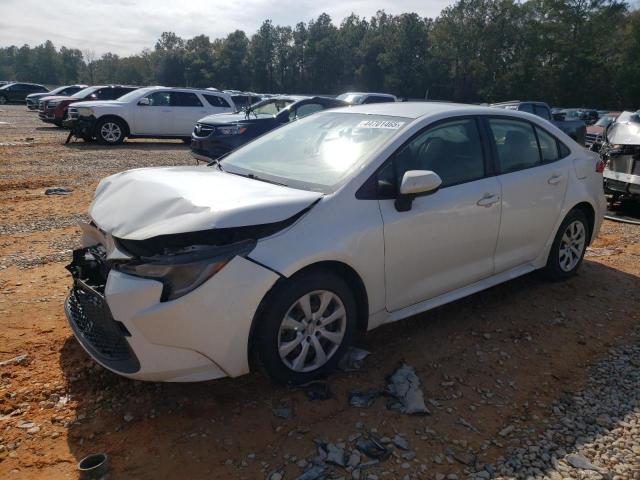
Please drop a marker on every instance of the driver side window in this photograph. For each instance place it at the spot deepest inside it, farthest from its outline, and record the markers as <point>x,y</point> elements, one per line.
<point>451,149</point>
<point>159,99</point>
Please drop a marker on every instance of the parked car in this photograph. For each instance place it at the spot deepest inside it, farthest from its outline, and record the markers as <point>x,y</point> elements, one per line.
<point>338,222</point>
<point>574,127</point>
<point>17,92</point>
<point>589,115</point>
<point>217,135</point>
<point>53,109</point>
<point>33,98</point>
<point>595,132</point>
<point>151,112</point>
<point>360,98</point>
<point>621,150</point>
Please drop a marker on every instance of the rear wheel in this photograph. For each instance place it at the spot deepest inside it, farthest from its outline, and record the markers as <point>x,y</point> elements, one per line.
<point>110,131</point>
<point>569,246</point>
<point>306,327</point>
<point>3,100</point>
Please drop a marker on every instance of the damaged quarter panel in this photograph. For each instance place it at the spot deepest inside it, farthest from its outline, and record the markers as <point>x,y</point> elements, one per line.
<point>149,202</point>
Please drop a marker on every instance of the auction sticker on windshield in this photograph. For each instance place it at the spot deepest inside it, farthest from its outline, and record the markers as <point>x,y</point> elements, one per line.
<point>389,124</point>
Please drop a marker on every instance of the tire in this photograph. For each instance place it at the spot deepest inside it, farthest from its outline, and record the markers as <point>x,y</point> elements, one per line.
<point>3,100</point>
<point>110,131</point>
<point>296,363</point>
<point>58,123</point>
<point>569,246</point>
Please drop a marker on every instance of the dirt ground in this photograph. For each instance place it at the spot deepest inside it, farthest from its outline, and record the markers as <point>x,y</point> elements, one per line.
<point>497,359</point>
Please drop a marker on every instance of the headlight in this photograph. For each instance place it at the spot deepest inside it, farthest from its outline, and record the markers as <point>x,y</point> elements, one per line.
<point>85,111</point>
<point>183,271</point>
<point>53,103</point>
<point>231,130</point>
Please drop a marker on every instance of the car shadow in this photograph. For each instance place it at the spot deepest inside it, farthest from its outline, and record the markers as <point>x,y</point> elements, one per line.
<point>128,145</point>
<point>541,335</point>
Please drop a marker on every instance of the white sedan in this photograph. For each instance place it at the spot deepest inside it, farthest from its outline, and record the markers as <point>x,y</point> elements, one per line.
<point>151,112</point>
<point>342,221</point>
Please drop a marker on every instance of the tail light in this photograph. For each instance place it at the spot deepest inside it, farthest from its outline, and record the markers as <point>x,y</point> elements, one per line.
<point>600,166</point>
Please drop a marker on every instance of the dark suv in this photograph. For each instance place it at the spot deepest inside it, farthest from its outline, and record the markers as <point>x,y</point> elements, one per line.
<point>54,109</point>
<point>219,134</point>
<point>17,92</point>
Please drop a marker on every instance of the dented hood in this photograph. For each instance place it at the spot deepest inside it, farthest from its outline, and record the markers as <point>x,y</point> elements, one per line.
<point>147,202</point>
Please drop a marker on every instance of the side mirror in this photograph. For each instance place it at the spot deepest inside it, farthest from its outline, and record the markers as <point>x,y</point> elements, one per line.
<point>415,183</point>
<point>144,102</point>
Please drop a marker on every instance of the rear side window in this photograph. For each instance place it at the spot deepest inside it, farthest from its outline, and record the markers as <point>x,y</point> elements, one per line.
<point>185,99</point>
<point>216,101</point>
<point>526,107</point>
<point>70,91</point>
<point>564,150</point>
<point>548,146</point>
<point>542,111</point>
<point>377,99</point>
<point>452,149</point>
<point>516,144</point>
<point>308,109</point>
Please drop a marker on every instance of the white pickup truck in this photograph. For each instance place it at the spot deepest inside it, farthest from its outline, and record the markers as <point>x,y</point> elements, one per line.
<point>151,112</point>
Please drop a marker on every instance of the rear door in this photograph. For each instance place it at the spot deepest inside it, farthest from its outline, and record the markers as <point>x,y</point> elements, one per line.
<point>187,109</point>
<point>533,179</point>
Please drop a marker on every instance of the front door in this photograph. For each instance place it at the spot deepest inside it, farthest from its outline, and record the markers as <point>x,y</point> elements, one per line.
<point>156,118</point>
<point>447,239</point>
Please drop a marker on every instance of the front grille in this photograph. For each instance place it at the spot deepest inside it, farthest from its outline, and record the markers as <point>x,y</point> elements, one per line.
<point>592,138</point>
<point>89,314</point>
<point>94,323</point>
<point>202,130</point>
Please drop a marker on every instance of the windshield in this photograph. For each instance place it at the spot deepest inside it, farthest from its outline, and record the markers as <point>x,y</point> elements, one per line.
<point>84,92</point>
<point>351,98</point>
<point>133,94</point>
<point>269,107</point>
<point>316,153</point>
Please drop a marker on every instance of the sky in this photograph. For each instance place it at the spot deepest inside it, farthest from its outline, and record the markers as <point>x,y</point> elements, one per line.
<point>127,26</point>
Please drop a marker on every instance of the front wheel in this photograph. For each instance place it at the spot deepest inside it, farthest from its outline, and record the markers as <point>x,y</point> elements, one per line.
<point>568,247</point>
<point>306,327</point>
<point>110,131</point>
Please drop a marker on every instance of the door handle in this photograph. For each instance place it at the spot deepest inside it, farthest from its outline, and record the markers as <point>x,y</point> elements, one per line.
<point>554,179</point>
<point>488,199</point>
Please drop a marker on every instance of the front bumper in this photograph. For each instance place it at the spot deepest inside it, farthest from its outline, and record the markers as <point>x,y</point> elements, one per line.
<point>48,116</point>
<point>201,336</point>
<point>207,149</point>
<point>82,127</point>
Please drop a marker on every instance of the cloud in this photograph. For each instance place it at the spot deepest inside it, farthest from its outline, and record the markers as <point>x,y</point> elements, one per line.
<point>128,26</point>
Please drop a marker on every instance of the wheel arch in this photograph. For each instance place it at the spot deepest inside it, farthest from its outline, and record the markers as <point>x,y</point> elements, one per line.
<point>112,116</point>
<point>353,279</point>
<point>590,213</point>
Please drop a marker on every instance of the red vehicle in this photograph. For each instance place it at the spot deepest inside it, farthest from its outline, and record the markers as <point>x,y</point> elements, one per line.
<point>595,132</point>
<point>53,109</point>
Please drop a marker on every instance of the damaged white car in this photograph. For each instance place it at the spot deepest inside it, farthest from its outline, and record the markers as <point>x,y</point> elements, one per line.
<point>339,222</point>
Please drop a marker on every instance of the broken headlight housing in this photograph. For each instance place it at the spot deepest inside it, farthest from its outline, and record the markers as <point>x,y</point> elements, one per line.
<point>182,271</point>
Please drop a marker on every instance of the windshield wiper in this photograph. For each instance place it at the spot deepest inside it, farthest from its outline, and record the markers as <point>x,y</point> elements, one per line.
<point>216,161</point>
<point>253,176</point>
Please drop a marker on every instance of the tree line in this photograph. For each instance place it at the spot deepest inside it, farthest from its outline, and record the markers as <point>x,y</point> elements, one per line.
<point>566,52</point>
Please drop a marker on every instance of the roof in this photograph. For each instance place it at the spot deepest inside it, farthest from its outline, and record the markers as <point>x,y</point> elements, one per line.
<point>417,109</point>
<point>369,93</point>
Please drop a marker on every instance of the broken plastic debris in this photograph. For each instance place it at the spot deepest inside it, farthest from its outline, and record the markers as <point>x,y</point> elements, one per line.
<point>400,442</point>
<point>317,390</point>
<point>283,412</point>
<point>579,461</point>
<point>363,399</point>
<point>314,472</point>
<point>372,448</point>
<point>404,387</point>
<point>353,359</point>
<point>57,191</point>
<point>335,454</point>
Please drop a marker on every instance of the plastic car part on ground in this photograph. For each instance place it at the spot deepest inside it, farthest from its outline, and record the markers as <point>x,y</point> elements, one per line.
<point>57,191</point>
<point>404,388</point>
<point>363,399</point>
<point>353,359</point>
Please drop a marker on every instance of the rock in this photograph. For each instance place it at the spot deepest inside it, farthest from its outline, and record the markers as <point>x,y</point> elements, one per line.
<point>128,417</point>
<point>506,431</point>
<point>580,461</point>
<point>400,442</point>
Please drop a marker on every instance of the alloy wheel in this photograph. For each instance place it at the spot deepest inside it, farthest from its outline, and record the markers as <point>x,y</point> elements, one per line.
<point>110,132</point>
<point>312,330</point>
<point>572,245</point>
